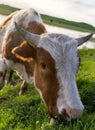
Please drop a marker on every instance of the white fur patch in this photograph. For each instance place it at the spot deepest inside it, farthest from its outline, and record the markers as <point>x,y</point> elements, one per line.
<point>22,72</point>
<point>39,91</point>
<point>20,69</point>
<point>63,50</point>
<point>2,67</point>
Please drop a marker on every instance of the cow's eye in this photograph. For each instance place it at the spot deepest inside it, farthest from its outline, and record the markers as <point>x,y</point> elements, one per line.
<point>43,65</point>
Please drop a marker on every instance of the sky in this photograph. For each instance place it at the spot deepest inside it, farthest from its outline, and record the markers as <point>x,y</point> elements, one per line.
<point>75,10</point>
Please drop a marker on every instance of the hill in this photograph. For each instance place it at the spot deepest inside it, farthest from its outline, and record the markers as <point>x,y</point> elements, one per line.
<point>84,27</point>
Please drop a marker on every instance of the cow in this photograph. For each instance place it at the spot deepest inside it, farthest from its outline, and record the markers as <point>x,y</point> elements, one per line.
<point>32,22</point>
<point>56,62</point>
<point>50,59</point>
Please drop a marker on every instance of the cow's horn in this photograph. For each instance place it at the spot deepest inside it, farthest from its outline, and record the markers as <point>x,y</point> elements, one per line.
<point>33,39</point>
<point>84,39</point>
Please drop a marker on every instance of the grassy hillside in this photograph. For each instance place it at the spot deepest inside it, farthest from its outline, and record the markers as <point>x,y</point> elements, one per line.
<point>28,112</point>
<point>5,10</point>
<point>68,24</point>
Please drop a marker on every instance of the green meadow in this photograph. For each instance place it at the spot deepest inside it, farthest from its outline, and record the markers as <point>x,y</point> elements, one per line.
<point>28,112</point>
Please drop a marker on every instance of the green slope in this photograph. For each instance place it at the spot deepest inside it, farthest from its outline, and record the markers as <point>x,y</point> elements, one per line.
<point>6,10</point>
<point>68,24</point>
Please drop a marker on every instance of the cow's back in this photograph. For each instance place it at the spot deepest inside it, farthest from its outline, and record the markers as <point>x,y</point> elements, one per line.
<point>29,20</point>
<point>3,27</point>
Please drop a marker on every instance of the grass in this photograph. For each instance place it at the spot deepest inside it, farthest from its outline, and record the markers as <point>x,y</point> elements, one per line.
<point>28,112</point>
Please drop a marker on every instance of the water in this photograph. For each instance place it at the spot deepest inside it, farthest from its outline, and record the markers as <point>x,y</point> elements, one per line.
<point>72,33</point>
<point>2,17</point>
<point>69,32</point>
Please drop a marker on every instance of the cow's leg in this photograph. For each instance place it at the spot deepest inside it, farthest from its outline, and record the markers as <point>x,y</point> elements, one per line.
<point>23,88</point>
<point>2,79</point>
<point>10,76</point>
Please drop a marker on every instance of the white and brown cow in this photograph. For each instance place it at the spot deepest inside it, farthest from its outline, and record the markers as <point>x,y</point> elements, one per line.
<point>9,38</point>
<point>56,62</point>
<point>51,59</point>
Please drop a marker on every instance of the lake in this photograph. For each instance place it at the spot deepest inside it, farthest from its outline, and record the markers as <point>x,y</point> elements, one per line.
<point>69,32</point>
<point>2,17</point>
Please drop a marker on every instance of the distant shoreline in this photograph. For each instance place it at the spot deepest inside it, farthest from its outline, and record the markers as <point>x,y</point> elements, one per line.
<point>53,21</point>
<point>79,26</point>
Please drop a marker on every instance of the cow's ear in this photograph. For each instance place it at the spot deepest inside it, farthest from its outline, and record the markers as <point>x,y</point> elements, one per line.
<point>25,52</point>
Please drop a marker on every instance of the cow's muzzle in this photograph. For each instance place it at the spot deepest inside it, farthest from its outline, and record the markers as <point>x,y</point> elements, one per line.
<point>68,114</point>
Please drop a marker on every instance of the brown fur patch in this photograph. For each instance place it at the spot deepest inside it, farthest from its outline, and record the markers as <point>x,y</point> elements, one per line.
<point>36,28</point>
<point>24,52</point>
<point>29,68</point>
<point>11,42</point>
<point>46,80</point>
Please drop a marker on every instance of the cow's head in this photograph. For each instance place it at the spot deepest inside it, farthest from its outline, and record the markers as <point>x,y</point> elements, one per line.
<point>2,71</point>
<point>56,63</point>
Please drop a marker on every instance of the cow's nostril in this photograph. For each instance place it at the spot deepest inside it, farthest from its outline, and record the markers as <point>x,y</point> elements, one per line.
<point>64,116</point>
